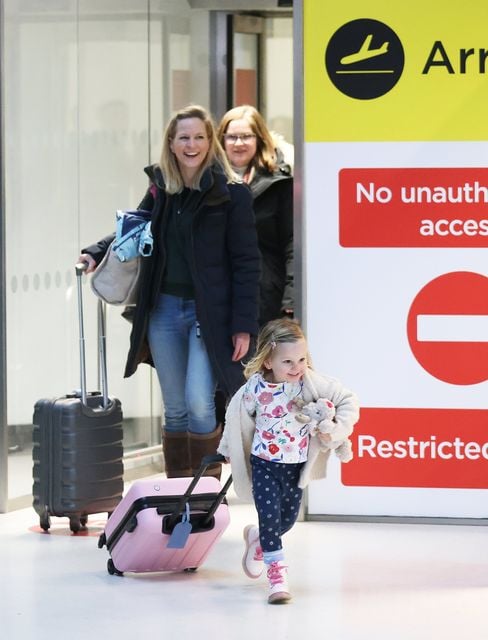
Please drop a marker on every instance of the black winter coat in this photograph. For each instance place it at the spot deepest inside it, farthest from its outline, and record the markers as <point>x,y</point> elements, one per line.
<point>273,208</point>
<point>225,266</point>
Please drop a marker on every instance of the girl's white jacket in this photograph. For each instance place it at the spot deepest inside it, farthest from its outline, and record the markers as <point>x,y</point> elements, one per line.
<point>239,431</point>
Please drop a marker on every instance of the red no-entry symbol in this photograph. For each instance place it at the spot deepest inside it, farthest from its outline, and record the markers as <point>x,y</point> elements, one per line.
<point>447,327</point>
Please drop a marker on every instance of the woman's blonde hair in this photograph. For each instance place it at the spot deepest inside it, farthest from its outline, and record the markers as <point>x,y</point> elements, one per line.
<point>216,155</point>
<point>273,333</point>
<point>265,156</point>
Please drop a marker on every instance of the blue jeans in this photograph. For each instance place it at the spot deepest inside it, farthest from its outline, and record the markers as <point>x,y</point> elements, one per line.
<point>185,374</point>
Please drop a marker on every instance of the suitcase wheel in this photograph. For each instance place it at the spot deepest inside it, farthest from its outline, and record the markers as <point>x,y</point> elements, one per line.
<point>75,524</point>
<point>45,521</point>
<point>112,570</point>
<point>190,569</point>
<point>102,541</point>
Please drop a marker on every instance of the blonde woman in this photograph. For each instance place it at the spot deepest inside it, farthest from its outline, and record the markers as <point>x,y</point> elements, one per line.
<point>253,154</point>
<point>198,296</point>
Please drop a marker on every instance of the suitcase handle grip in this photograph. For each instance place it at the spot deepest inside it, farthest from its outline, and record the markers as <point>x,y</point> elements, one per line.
<point>80,267</point>
<point>211,459</point>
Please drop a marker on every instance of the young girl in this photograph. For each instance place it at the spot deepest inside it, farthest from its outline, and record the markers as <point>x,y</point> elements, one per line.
<point>272,454</point>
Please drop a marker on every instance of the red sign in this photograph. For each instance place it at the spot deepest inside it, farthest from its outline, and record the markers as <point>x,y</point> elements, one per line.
<point>455,347</point>
<point>437,448</point>
<point>421,207</point>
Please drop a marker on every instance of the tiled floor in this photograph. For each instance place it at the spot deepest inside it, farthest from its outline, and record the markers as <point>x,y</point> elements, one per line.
<point>349,582</point>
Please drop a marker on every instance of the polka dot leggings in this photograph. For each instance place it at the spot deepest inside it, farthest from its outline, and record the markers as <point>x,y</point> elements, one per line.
<point>277,499</point>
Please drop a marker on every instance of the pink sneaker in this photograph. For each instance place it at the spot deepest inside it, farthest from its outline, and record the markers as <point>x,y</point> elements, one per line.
<point>278,583</point>
<point>252,560</point>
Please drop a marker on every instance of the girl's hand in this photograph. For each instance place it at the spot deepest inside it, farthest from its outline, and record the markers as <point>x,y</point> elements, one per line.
<point>324,438</point>
<point>86,257</point>
<point>241,345</point>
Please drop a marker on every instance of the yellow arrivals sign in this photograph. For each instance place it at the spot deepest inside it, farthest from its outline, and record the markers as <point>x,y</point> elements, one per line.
<point>386,71</point>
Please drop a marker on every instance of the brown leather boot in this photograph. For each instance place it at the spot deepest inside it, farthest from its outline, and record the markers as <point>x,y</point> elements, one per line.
<point>204,445</point>
<point>176,452</point>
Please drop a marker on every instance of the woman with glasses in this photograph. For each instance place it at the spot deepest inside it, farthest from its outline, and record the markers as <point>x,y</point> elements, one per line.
<point>254,156</point>
<point>197,305</point>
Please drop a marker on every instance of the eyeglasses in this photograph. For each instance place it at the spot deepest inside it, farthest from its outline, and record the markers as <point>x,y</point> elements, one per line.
<point>245,138</point>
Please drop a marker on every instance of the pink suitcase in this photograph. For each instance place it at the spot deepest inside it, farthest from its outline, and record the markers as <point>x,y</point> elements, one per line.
<point>148,530</point>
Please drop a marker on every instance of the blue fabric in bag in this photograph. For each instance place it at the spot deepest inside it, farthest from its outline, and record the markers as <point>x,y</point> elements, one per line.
<point>133,235</point>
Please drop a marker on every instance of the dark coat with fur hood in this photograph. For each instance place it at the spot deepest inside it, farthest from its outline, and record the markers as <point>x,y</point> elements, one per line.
<point>225,265</point>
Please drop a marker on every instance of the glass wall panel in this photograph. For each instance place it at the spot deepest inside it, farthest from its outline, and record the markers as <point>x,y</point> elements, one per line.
<point>89,85</point>
<point>41,166</point>
<point>113,131</point>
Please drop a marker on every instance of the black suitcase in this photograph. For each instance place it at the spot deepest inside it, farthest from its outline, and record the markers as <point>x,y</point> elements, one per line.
<point>77,445</point>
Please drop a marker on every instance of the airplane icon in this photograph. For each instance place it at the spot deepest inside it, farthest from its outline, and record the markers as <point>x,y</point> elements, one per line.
<point>365,52</point>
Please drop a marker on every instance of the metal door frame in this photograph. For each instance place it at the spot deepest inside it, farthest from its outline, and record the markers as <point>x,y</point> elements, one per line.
<point>223,24</point>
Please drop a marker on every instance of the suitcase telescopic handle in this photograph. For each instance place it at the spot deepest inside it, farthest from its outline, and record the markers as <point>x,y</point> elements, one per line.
<point>80,268</point>
<point>206,461</point>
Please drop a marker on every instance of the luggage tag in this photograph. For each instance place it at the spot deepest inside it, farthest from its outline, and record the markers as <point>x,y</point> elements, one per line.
<point>181,532</point>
